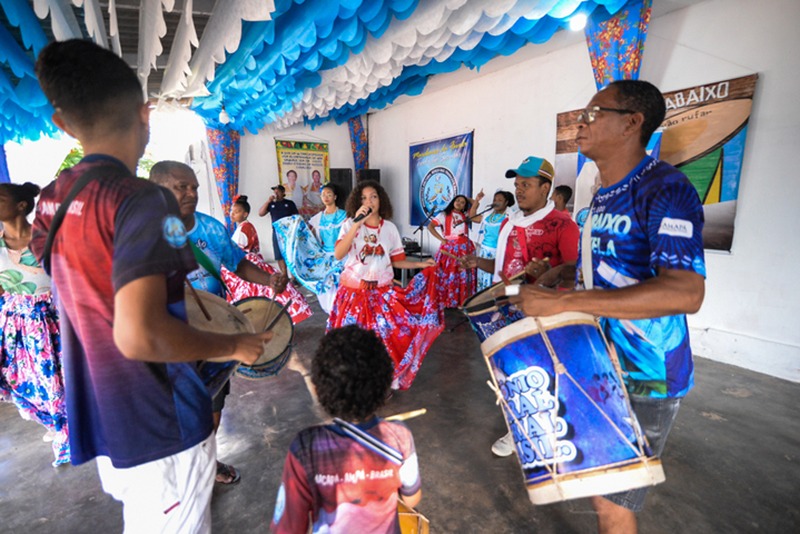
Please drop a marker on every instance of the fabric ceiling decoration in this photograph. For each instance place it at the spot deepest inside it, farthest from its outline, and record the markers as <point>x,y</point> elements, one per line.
<point>616,45</point>
<point>223,146</point>
<point>278,59</point>
<point>323,60</point>
<point>4,177</point>
<point>358,143</point>
<point>24,109</point>
<point>277,63</point>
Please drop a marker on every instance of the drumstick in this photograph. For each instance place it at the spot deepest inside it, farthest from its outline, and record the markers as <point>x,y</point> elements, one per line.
<point>274,321</point>
<point>453,256</point>
<point>199,302</point>
<point>406,415</point>
<point>507,281</point>
<point>268,319</point>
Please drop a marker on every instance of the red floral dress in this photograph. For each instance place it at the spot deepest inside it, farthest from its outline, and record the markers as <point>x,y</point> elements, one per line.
<point>239,289</point>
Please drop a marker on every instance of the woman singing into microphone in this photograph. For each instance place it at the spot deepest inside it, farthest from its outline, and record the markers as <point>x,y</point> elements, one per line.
<point>490,229</point>
<point>409,319</point>
<point>456,244</point>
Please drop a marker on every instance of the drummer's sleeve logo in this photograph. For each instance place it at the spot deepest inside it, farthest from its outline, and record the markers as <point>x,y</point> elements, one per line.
<point>174,231</point>
<point>676,227</point>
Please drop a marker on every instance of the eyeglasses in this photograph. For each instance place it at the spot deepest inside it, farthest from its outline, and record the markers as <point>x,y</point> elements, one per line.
<point>589,114</point>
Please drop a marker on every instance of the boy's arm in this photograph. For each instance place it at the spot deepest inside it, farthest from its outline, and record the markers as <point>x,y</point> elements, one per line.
<point>412,500</point>
<point>409,480</point>
<point>144,330</point>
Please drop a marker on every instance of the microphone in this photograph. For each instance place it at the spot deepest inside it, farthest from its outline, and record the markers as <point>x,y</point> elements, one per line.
<point>363,216</point>
<point>468,219</point>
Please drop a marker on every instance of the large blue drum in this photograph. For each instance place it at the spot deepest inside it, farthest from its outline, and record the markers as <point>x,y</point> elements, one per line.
<point>564,402</point>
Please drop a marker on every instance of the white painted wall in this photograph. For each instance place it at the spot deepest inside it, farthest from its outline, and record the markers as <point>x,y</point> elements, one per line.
<point>752,305</point>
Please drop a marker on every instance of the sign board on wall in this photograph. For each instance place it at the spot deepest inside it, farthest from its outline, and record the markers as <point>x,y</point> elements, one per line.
<point>438,171</point>
<point>703,135</point>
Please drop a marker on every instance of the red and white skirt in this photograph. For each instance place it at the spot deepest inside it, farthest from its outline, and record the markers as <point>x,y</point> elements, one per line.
<point>239,289</point>
<point>456,285</point>
<point>408,320</point>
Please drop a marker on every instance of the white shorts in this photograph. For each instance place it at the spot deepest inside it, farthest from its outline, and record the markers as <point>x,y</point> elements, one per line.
<point>171,495</point>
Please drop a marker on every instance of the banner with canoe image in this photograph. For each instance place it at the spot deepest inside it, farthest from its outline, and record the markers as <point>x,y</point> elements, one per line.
<point>703,135</point>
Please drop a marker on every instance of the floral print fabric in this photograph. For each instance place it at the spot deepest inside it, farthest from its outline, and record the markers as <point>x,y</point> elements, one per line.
<point>239,289</point>
<point>30,364</point>
<point>616,45</point>
<point>307,261</point>
<point>408,320</point>
<point>457,285</point>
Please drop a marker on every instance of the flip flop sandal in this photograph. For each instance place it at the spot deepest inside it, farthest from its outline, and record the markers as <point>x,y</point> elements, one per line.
<point>228,473</point>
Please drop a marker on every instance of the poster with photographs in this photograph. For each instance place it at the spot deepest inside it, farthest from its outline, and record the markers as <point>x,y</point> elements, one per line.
<point>304,168</point>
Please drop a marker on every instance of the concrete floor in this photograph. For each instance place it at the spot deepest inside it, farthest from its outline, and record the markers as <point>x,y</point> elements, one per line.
<point>732,461</point>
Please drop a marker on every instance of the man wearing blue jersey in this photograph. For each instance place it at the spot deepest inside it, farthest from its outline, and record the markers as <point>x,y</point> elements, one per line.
<point>213,249</point>
<point>641,265</point>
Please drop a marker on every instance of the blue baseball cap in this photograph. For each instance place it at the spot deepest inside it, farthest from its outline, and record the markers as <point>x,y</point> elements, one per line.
<point>533,166</point>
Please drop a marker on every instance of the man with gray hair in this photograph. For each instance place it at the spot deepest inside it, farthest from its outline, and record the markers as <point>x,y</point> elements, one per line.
<point>641,267</point>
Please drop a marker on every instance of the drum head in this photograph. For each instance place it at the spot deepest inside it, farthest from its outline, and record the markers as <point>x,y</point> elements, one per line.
<point>259,312</point>
<point>225,319</point>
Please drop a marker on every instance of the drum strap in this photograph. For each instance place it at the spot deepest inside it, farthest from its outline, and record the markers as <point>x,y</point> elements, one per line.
<point>58,218</point>
<point>586,252</point>
<point>206,263</point>
<point>370,442</point>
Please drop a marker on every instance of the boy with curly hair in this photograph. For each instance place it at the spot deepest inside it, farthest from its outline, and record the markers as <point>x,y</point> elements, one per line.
<point>346,476</point>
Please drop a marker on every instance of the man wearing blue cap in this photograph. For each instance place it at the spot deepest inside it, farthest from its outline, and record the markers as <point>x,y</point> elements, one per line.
<point>533,240</point>
<point>641,265</point>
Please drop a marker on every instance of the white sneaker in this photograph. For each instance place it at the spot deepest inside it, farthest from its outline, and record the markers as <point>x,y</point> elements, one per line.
<point>504,446</point>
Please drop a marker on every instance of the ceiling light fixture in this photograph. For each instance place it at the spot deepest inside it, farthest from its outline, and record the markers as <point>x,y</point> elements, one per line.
<point>578,22</point>
<point>224,118</point>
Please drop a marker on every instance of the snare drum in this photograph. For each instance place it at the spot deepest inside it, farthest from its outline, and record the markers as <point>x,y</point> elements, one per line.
<point>489,310</point>
<point>222,319</point>
<point>564,401</point>
<point>261,311</point>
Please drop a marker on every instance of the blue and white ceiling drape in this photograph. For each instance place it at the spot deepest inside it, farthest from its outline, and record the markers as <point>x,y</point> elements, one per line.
<point>276,63</point>
<point>321,60</point>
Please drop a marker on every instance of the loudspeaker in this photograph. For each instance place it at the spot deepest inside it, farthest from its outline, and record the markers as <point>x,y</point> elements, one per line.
<point>369,174</point>
<point>343,180</point>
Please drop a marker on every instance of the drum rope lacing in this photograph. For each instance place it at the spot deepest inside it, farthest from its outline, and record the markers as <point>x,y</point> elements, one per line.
<point>561,369</point>
<point>640,438</point>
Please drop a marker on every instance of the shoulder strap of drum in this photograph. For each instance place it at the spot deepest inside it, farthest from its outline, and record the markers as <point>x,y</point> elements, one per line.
<point>58,218</point>
<point>587,268</point>
<point>205,262</point>
<point>370,442</point>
